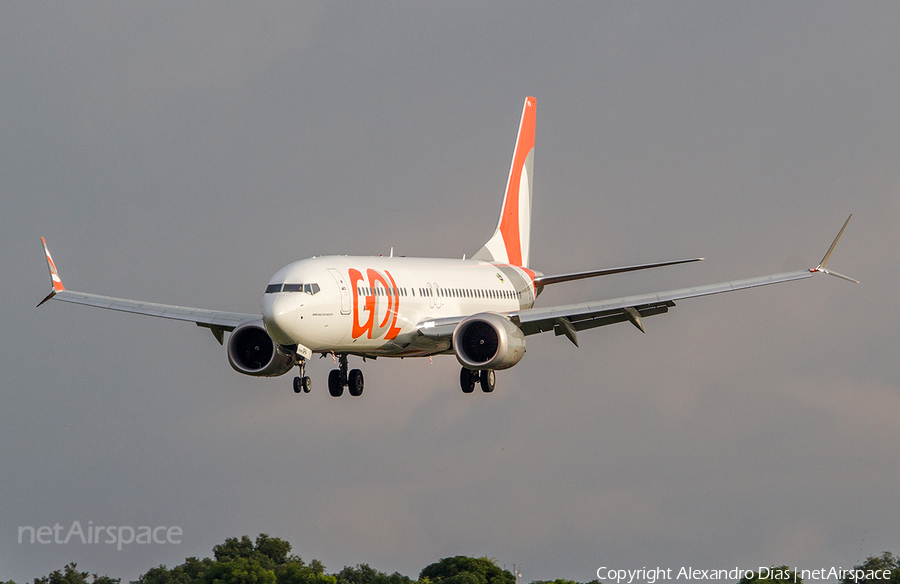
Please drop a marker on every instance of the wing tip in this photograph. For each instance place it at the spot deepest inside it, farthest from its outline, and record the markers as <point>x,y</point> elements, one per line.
<point>55,280</point>
<point>821,268</point>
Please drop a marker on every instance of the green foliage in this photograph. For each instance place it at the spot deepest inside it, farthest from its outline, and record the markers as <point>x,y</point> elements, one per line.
<point>233,548</point>
<point>365,574</point>
<point>240,561</point>
<point>317,567</point>
<point>274,549</point>
<point>190,572</point>
<point>269,552</point>
<point>886,561</point>
<point>466,570</point>
<point>238,571</point>
<point>71,575</point>
<point>296,572</point>
<point>774,575</point>
<point>361,574</point>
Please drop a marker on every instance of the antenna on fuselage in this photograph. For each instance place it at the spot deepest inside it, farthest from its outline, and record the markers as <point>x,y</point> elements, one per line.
<point>392,252</point>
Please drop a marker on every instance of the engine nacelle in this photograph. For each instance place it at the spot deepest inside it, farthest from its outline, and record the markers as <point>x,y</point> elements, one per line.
<point>488,341</point>
<point>252,351</point>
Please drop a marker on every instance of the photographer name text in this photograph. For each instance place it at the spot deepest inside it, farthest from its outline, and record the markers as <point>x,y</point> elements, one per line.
<point>652,575</point>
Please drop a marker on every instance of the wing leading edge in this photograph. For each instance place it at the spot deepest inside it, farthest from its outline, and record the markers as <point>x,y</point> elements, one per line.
<point>217,321</point>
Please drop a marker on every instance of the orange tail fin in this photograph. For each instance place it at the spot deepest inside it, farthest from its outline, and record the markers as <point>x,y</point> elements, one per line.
<point>511,240</point>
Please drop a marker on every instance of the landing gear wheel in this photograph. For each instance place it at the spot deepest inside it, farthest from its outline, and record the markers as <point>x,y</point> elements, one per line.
<point>335,387</point>
<point>467,379</point>
<point>355,383</point>
<point>302,383</point>
<point>488,379</point>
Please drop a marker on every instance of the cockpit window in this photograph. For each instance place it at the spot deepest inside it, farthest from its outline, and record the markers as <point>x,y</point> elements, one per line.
<point>308,288</point>
<point>272,288</point>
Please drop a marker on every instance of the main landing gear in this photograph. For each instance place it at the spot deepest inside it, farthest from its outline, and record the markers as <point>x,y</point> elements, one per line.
<point>338,379</point>
<point>469,377</point>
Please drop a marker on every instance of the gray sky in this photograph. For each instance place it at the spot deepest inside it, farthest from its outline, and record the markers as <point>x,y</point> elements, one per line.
<point>184,153</point>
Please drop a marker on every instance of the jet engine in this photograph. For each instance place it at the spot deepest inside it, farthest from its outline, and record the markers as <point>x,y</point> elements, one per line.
<point>252,351</point>
<point>488,341</point>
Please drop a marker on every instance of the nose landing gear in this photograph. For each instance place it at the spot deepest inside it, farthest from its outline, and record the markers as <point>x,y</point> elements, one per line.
<point>302,383</point>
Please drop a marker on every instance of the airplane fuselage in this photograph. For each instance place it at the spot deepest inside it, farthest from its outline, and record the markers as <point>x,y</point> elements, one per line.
<point>372,305</point>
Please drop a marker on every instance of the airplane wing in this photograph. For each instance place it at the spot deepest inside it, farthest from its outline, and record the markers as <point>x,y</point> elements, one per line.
<point>218,322</point>
<point>569,319</point>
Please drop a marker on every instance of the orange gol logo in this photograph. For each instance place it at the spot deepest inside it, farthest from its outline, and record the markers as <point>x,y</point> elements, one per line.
<point>382,299</point>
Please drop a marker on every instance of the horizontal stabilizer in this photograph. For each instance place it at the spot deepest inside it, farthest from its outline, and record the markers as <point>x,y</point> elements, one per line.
<point>545,280</point>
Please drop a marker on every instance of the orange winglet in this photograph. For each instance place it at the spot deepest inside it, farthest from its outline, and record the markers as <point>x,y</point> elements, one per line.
<point>54,274</point>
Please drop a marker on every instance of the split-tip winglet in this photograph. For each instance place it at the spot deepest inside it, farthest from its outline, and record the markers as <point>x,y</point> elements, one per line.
<point>821,267</point>
<point>54,274</point>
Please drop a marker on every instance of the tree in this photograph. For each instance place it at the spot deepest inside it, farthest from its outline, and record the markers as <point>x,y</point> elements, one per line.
<point>238,571</point>
<point>886,561</point>
<point>274,549</point>
<point>317,566</point>
<point>466,570</point>
<point>190,572</point>
<point>71,575</point>
<point>268,551</point>
<point>233,548</point>
<point>294,571</point>
<point>365,574</point>
<point>240,561</point>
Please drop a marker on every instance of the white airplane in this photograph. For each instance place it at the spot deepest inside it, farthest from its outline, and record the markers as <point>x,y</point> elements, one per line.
<point>479,309</point>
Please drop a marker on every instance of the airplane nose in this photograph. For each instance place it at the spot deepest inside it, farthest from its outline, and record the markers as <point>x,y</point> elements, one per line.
<point>280,317</point>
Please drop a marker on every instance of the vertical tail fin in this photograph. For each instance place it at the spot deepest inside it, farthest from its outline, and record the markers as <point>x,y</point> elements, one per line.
<point>511,241</point>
